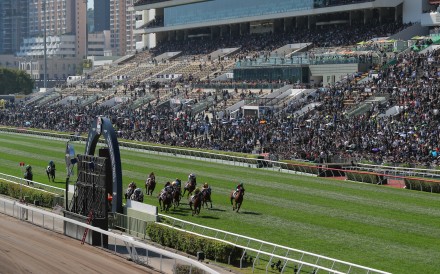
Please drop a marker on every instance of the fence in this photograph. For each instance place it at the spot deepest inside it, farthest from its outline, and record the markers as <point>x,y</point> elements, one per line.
<point>139,252</point>
<point>262,255</point>
<point>322,169</point>
<point>259,255</point>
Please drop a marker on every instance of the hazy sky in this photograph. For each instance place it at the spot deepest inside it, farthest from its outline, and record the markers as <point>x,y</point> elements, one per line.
<point>90,4</point>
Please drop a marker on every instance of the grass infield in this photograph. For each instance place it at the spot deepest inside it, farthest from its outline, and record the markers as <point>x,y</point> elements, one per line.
<point>394,230</point>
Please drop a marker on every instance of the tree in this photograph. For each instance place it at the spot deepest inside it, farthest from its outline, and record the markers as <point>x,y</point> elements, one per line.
<point>15,81</point>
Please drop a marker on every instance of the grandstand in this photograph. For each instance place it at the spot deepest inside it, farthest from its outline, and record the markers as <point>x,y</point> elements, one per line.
<point>314,80</point>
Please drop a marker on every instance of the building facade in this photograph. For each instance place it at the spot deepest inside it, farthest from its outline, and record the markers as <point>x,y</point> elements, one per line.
<point>180,20</point>
<point>101,10</point>
<point>13,24</point>
<point>122,26</point>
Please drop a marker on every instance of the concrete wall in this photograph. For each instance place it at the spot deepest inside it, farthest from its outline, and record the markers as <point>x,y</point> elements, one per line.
<point>332,73</point>
<point>141,211</point>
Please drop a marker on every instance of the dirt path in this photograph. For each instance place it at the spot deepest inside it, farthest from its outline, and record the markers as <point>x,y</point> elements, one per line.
<point>25,248</point>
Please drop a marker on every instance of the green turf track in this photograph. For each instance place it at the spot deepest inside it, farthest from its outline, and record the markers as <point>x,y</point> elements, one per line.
<point>394,230</point>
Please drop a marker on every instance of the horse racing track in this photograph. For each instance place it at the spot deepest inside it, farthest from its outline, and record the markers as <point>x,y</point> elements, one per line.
<point>390,229</point>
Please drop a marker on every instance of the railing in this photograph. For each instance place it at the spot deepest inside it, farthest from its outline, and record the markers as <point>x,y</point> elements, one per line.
<point>295,168</point>
<point>139,252</point>
<point>260,254</point>
<point>32,184</point>
<point>264,254</point>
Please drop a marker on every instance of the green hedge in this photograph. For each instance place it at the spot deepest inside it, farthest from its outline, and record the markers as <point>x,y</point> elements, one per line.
<point>13,190</point>
<point>370,178</point>
<point>191,244</point>
<point>300,167</point>
<point>421,184</point>
<point>185,269</point>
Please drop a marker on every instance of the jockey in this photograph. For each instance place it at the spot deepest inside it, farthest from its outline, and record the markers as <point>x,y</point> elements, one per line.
<point>167,189</point>
<point>28,175</point>
<point>137,195</point>
<point>152,177</point>
<point>196,192</point>
<point>192,179</point>
<point>176,184</point>
<point>239,186</point>
<point>52,164</point>
<point>130,190</point>
<point>206,187</point>
<point>132,185</point>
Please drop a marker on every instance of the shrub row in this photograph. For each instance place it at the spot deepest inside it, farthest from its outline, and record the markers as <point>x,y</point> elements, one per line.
<point>16,191</point>
<point>301,167</point>
<point>370,178</point>
<point>185,269</point>
<point>423,185</point>
<point>191,244</point>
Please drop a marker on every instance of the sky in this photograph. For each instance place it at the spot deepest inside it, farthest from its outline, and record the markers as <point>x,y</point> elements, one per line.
<point>89,4</point>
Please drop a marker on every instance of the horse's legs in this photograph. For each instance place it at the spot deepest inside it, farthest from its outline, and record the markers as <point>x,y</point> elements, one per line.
<point>238,206</point>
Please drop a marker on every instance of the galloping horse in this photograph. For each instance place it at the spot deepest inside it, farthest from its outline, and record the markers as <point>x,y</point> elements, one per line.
<point>28,176</point>
<point>165,201</point>
<point>130,190</point>
<point>196,201</point>
<point>177,194</point>
<point>50,171</point>
<point>150,184</point>
<point>190,186</point>
<point>237,199</point>
<point>206,197</point>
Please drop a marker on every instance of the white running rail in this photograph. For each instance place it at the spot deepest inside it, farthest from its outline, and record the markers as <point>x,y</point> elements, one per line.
<point>139,252</point>
<point>290,257</point>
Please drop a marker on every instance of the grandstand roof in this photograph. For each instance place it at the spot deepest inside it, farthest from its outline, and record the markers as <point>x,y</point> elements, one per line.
<point>368,5</point>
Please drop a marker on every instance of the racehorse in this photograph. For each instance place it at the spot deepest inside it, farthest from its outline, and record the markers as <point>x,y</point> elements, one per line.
<point>196,204</point>
<point>165,201</point>
<point>190,186</point>
<point>206,197</point>
<point>237,199</point>
<point>137,195</point>
<point>150,184</point>
<point>50,171</point>
<point>29,176</point>
<point>130,190</point>
<point>176,196</point>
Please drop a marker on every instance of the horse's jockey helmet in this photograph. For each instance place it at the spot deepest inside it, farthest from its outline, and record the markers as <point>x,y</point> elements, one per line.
<point>241,184</point>
<point>137,191</point>
<point>192,175</point>
<point>51,162</point>
<point>28,168</point>
<point>205,185</point>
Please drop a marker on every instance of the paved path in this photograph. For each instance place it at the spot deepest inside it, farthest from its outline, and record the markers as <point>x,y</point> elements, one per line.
<point>26,248</point>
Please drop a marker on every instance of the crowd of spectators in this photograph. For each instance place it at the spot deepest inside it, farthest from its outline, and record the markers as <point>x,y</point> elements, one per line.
<point>251,44</point>
<point>324,132</point>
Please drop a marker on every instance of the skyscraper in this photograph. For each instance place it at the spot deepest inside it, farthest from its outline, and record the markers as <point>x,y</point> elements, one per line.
<point>122,25</point>
<point>101,12</point>
<point>13,24</point>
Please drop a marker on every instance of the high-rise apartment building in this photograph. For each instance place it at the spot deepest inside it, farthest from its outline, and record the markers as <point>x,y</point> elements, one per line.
<point>13,24</point>
<point>122,25</point>
<point>60,17</point>
<point>101,11</point>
